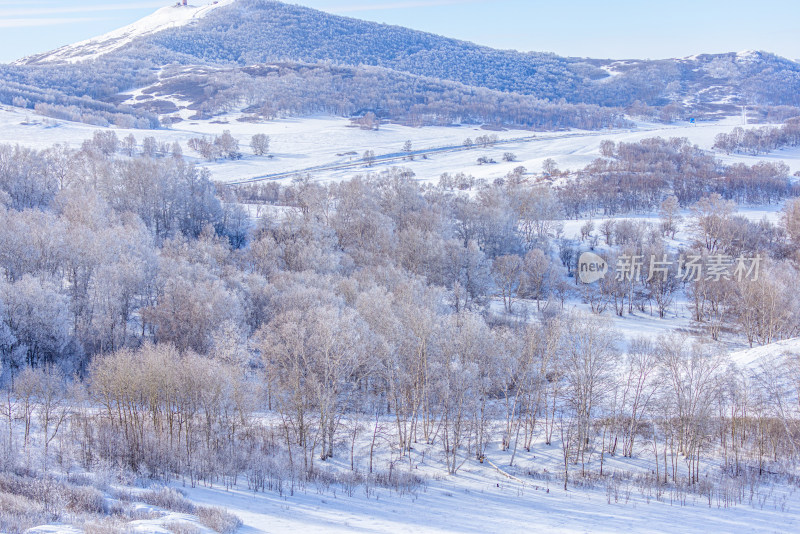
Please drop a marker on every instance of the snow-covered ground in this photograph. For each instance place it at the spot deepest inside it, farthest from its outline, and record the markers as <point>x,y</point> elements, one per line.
<point>484,497</point>
<point>479,499</point>
<point>766,354</point>
<point>493,497</point>
<point>302,143</point>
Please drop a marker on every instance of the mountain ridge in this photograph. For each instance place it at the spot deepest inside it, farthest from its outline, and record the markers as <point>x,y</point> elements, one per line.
<point>248,33</point>
<point>162,19</point>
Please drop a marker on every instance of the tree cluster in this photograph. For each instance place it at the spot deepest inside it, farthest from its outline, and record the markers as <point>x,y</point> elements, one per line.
<point>757,141</point>
<point>145,325</point>
<point>637,177</point>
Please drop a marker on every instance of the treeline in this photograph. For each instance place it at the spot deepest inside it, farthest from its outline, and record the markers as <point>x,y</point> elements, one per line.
<point>290,89</point>
<point>735,276</point>
<point>637,177</point>
<point>762,140</point>
<point>80,93</point>
<point>519,227</point>
<point>372,379</point>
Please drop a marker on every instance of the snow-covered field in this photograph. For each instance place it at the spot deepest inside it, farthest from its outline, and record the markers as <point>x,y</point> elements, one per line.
<point>493,497</point>
<point>298,144</point>
<point>479,499</point>
<point>766,354</point>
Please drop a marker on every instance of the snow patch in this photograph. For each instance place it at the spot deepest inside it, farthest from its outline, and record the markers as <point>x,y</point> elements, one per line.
<point>748,56</point>
<point>165,18</point>
<point>769,354</point>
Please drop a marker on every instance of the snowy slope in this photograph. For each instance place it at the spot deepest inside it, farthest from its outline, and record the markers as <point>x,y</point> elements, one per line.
<point>768,355</point>
<point>165,18</point>
<point>478,500</point>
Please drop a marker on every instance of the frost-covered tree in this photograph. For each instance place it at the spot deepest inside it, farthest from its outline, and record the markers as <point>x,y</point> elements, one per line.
<point>260,144</point>
<point>37,316</point>
<point>508,272</point>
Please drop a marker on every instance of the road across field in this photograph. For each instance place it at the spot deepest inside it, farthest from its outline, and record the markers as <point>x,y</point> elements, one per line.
<point>383,159</point>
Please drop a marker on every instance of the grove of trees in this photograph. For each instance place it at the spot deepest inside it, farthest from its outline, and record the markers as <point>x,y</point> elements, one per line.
<point>147,324</point>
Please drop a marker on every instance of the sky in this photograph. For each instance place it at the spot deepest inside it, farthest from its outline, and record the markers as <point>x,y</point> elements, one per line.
<point>616,29</point>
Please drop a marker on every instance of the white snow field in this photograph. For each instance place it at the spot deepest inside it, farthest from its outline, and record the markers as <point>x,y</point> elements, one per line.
<point>478,499</point>
<point>493,497</point>
<point>766,354</point>
<point>300,144</point>
<point>172,16</point>
<point>489,497</point>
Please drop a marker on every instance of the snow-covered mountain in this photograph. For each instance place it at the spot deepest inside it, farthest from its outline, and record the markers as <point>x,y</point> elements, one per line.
<point>170,17</point>
<point>218,54</point>
<point>252,32</point>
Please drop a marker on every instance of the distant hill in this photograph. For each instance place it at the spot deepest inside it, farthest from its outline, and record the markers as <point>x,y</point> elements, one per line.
<point>239,33</point>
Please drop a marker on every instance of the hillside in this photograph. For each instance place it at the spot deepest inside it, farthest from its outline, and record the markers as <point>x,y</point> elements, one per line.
<point>163,19</point>
<point>410,74</point>
<point>257,31</point>
<point>260,31</point>
<point>767,355</point>
<point>301,89</point>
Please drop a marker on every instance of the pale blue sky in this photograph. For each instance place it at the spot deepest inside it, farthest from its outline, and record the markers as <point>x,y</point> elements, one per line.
<point>593,28</point>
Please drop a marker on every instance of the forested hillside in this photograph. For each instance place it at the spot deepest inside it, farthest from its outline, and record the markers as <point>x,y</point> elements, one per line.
<point>416,73</point>
<point>278,90</point>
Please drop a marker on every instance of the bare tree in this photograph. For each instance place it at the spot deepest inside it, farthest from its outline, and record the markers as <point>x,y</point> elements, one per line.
<point>691,377</point>
<point>710,217</point>
<point>50,392</point>
<point>549,167</point>
<point>129,145</point>
<point>369,158</point>
<point>538,271</point>
<point>228,145</point>
<point>260,144</point>
<point>591,354</point>
<point>670,217</point>
<point>507,273</point>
